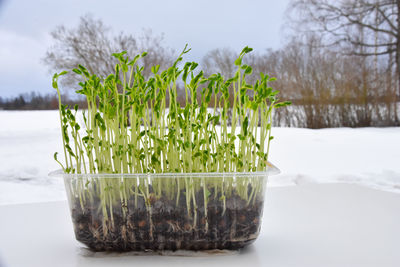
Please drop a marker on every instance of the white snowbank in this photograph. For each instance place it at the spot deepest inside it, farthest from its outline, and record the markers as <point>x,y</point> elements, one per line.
<point>28,140</point>
<point>367,156</point>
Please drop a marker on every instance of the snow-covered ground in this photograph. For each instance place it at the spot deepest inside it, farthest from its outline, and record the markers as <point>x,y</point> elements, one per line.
<point>366,156</point>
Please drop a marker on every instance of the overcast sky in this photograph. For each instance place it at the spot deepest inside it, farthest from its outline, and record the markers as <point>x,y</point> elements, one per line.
<point>204,25</point>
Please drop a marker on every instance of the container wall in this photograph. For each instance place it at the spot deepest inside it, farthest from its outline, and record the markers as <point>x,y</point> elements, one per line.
<point>126,213</point>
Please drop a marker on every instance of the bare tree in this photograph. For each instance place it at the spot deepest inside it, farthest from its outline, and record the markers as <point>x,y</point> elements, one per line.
<point>220,60</point>
<point>91,44</point>
<point>327,87</point>
<point>366,27</point>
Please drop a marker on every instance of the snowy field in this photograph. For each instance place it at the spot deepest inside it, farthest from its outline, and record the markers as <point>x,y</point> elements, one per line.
<point>366,156</point>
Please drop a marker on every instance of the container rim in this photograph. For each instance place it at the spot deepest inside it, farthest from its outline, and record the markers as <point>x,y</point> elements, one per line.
<point>271,170</point>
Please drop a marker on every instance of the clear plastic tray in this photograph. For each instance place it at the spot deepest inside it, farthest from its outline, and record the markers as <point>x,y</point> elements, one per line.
<point>167,211</point>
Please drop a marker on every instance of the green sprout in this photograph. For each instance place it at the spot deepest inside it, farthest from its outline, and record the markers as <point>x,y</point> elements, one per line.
<point>135,125</point>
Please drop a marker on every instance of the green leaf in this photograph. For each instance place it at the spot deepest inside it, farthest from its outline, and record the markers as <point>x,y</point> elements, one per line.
<point>155,69</point>
<point>238,61</point>
<point>197,154</point>
<point>248,70</point>
<point>246,50</point>
<point>154,159</point>
<point>131,63</point>
<point>254,106</point>
<point>193,65</point>
<point>245,125</point>
<point>283,104</point>
<point>124,68</point>
<point>77,71</point>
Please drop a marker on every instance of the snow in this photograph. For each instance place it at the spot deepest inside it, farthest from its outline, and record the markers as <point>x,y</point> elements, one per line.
<point>28,140</point>
<point>366,156</point>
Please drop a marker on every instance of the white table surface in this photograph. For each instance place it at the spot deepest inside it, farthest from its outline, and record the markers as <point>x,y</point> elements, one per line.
<point>307,225</point>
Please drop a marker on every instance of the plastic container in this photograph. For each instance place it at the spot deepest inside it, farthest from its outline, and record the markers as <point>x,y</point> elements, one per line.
<point>170,211</point>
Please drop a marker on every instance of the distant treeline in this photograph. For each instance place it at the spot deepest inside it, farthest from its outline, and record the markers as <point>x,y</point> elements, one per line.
<point>36,101</point>
<point>327,88</point>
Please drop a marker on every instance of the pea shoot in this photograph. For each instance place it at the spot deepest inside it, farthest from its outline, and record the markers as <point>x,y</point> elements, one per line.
<point>135,125</point>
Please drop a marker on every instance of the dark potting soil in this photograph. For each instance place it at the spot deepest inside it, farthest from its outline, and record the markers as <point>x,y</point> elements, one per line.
<point>167,226</point>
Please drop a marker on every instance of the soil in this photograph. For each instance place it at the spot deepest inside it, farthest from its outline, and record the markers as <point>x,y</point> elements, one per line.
<point>169,227</point>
